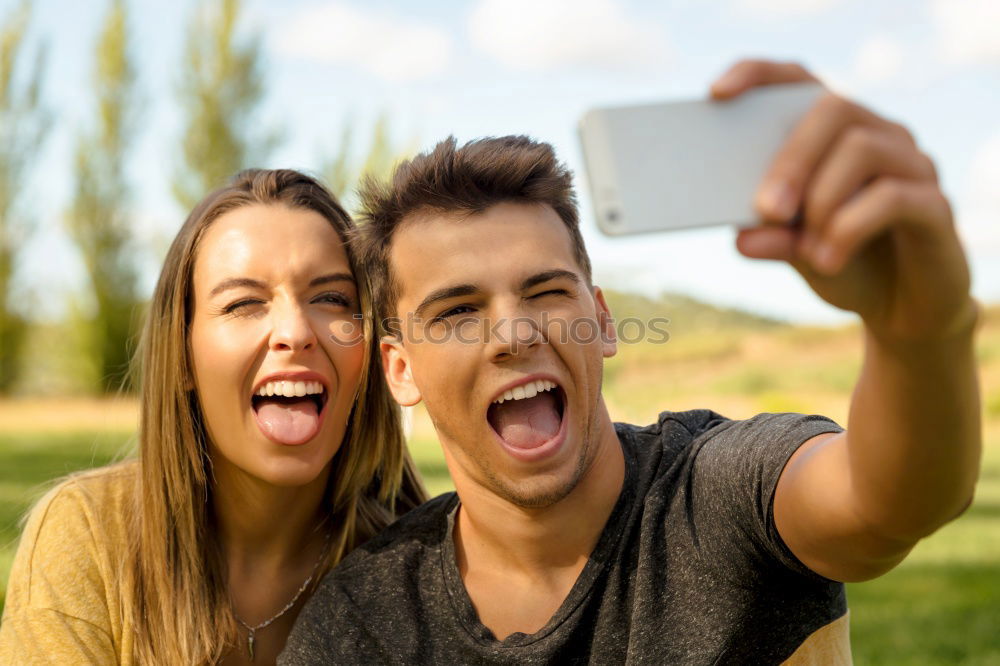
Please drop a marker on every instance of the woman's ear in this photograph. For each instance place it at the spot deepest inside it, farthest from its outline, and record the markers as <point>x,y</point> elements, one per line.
<point>396,366</point>
<point>609,336</point>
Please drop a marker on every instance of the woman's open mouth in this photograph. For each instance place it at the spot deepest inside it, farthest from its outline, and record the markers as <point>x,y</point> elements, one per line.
<point>528,418</point>
<point>289,412</point>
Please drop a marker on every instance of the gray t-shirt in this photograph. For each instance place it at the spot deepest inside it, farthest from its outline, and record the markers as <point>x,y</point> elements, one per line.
<point>689,569</point>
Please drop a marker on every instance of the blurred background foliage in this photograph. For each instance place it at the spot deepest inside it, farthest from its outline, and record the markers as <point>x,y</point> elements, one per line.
<point>98,218</point>
<point>24,124</point>
<point>219,90</point>
<point>64,403</point>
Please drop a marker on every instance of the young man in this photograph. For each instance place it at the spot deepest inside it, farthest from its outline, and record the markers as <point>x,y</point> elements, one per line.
<point>697,539</point>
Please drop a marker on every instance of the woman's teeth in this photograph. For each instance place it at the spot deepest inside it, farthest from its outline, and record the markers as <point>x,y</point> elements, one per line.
<point>290,389</point>
<point>529,390</point>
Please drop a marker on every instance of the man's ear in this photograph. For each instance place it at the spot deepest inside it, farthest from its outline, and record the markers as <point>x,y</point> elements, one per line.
<point>609,336</point>
<point>396,366</point>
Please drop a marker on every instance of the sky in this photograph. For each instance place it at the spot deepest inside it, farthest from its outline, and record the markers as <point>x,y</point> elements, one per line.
<point>494,67</point>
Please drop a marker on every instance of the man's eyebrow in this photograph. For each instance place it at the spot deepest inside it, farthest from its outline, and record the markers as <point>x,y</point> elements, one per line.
<point>443,294</point>
<point>235,283</point>
<point>457,290</point>
<point>545,276</point>
<point>332,277</point>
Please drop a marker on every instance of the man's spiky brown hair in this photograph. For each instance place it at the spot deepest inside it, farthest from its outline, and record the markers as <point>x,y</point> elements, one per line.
<point>465,180</point>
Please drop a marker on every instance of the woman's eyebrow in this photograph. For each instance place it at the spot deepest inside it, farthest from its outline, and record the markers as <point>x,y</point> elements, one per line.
<point>235,283</point>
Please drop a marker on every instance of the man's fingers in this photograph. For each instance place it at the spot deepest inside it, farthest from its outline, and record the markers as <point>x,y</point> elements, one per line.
<point>783,188</point>
<point>747,74</point>
<point>862,154</point>
<point>884,204</point>
<point>776,243</point>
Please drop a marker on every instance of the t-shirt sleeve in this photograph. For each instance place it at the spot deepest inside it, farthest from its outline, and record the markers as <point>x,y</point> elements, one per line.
<point>730,490</point>
<point>56,607</point>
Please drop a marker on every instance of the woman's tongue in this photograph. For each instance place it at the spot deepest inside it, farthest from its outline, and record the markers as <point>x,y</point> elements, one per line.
<point>526,423</point>
<point>288,422</point>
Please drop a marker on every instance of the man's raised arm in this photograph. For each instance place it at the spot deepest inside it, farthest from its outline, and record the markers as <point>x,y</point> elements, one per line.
<point>856,208</point>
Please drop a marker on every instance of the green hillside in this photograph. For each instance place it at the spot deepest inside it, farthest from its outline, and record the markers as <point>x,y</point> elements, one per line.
<point>684,312</point>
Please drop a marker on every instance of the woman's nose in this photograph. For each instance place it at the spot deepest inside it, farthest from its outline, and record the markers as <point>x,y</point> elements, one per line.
<point>291,329</point>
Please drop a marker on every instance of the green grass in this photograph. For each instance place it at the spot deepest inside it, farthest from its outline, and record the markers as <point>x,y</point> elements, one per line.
<point>926,614</point>
<point>941,606</point>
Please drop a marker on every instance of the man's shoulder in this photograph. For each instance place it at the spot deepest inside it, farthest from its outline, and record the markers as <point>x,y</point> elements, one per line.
<point>694,421</point>
<point>392,571</point>
<point>679,428</point>
<point>702,442</point>
<point>412,536</point>
<point>705,423</point>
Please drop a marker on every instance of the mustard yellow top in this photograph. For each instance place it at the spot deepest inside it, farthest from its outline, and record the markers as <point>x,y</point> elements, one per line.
<point>64,602</point>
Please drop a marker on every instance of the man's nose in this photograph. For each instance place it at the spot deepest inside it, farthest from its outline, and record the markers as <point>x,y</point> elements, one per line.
<point>511,332</point>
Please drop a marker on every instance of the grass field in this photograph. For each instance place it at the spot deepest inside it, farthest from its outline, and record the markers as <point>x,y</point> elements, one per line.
<point>941,606</point>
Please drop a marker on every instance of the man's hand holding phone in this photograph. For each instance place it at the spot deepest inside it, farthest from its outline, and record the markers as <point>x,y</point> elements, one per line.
<point>849,200</point>
<point>854,205</point>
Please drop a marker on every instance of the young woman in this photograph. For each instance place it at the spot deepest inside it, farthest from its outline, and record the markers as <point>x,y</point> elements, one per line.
<point>268,449</point>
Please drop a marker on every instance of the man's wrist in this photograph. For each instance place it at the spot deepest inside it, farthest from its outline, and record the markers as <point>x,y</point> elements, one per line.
<point>957,332</point>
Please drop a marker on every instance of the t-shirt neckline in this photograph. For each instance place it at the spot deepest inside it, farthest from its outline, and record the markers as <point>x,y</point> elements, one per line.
<point>598,560</point>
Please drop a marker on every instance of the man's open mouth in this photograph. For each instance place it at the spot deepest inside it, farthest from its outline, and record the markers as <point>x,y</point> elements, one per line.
<point>527,416</point>
<point>289,412</point>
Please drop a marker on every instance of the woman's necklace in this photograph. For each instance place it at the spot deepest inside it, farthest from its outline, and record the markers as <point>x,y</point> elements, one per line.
<point>253,630</point>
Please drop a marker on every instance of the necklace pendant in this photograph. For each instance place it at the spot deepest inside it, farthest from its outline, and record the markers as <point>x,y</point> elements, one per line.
<point>250,645</point>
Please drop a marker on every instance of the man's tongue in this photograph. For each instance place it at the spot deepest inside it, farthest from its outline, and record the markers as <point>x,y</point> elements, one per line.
<point>288,422</point>
<point>527,423</point>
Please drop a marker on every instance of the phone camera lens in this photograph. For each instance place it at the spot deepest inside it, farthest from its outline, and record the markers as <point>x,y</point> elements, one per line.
<point>612,216</point>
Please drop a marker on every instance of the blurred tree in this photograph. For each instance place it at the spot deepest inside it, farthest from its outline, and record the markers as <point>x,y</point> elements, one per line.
<point>344,171</point>
<point>221,87</point>
<point>24,124</point>
<point>98,219</point>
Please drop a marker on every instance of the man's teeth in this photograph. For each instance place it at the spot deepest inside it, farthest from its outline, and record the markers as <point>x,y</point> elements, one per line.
<point>529,390</point>
<point>289,389</point>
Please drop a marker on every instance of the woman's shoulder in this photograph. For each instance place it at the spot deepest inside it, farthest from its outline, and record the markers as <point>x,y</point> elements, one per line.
<point>64,586</point>
<point>113,483</point>
<point>80,525</point>
<point>98,499</point>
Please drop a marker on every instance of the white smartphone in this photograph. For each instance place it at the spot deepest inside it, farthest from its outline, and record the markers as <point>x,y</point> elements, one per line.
<point>688,164</point>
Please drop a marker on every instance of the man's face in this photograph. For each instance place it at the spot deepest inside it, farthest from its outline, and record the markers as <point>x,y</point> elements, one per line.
<point>494,305</point>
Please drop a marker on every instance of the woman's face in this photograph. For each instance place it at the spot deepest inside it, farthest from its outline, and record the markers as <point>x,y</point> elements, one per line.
<point>276,341</point>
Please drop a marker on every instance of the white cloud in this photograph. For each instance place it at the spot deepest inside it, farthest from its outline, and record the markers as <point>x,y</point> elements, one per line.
<point>389,46</point>
<point>787,7</point>
<point>967,30</point>
<point>549,34</point>
<point>879,59</point>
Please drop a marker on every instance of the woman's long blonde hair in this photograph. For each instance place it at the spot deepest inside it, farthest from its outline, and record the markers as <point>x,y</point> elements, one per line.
<point>175,594</point>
